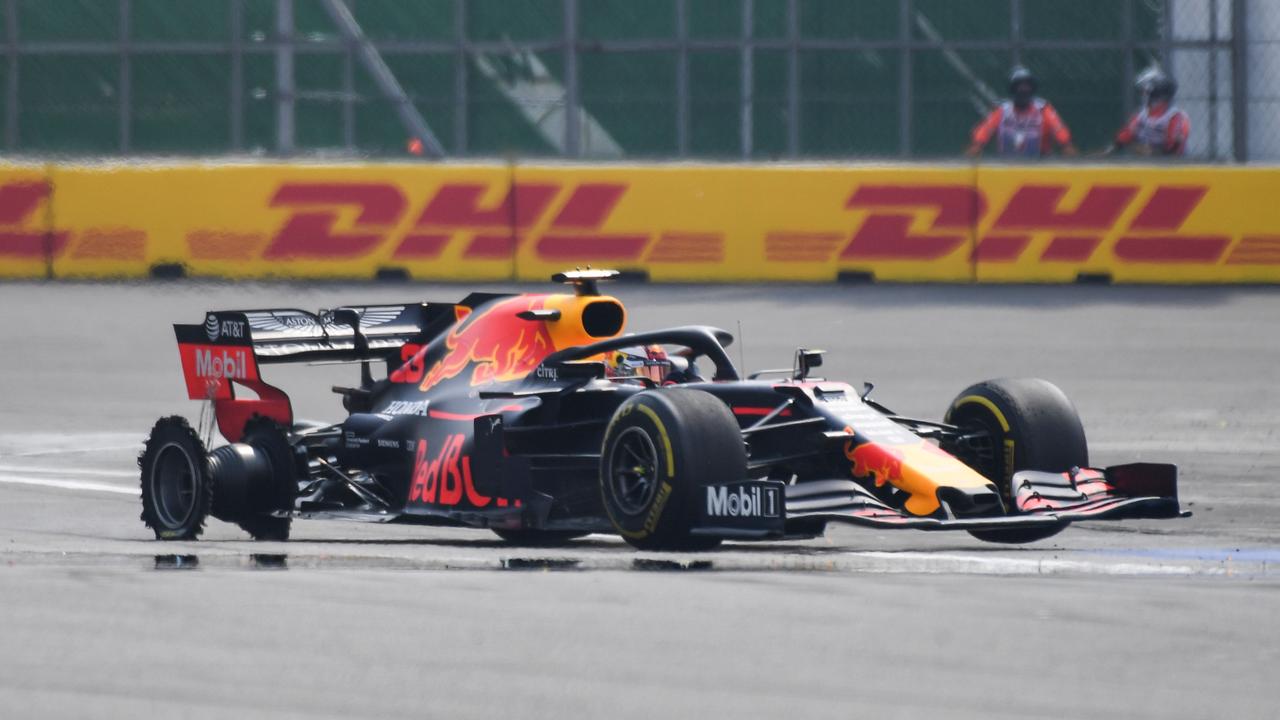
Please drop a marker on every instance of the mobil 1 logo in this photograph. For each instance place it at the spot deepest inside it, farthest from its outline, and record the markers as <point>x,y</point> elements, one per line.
<point>753,504</point>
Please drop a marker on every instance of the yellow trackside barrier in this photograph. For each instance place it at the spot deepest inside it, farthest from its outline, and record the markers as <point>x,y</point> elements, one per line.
<point>26,242</point>
<point>953,223</point>
<point>739,223</point>
<point>1135,224</point>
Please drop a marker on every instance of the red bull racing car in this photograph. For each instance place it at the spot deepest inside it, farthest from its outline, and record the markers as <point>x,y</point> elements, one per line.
<point>536,417</point>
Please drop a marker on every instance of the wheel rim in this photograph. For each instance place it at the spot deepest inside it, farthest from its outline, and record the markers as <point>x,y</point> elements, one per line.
<point>633,471</point>
<point>173,485</point>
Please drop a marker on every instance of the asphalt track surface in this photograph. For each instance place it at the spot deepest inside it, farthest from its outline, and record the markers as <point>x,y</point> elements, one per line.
<point>1158,619</point>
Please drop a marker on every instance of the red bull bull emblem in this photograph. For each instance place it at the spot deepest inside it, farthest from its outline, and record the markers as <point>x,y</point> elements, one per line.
<point>871,458</point>
<point>498,344</point>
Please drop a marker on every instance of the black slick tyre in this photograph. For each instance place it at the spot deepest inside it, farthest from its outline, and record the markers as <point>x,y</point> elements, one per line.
<point>1026,424</point>
<point>177,490</point>
<point>660,448</point>
<point>276,495</point>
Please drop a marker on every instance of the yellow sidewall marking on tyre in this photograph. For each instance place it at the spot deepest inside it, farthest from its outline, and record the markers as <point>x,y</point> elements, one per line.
<point>984,402</point>
<point>666,441</point>
<point>655,513</point>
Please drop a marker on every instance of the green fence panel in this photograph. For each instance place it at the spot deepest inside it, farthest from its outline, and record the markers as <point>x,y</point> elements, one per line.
<point>849,103</point>
<point>180,103</point>
<point>62,20</point>
<point>397,20</point>
<point>69,103</point>
<point>626,19</point>
<point>180,20</point>
<point>632,94</point>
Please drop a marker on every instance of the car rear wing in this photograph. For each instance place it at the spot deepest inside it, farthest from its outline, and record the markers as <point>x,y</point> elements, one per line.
<point>230,344</point>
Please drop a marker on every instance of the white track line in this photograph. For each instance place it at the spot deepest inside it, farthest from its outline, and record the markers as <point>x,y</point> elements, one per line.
<point>63,451</point>
<point>70,484</point>
<point>978,564</point>
<point>50,470</point>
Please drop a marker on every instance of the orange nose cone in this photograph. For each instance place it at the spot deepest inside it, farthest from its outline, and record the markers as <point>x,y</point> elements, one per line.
<point>415,146</point>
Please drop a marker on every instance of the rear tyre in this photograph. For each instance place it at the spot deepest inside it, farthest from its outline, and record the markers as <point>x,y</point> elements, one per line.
<point>276,495</point>
<point>177,490</point>
<point>538,538</point>
<point>1031,425</point>
<point>660,448</point>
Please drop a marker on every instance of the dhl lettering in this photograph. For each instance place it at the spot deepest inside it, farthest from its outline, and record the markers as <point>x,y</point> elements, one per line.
<point>310,233</point>
<point>20,235</point>
<point>497,227</point>
<point>954,213</point>
<point>887,236</point>
<point>459,206</point>
<point>1038,207</point>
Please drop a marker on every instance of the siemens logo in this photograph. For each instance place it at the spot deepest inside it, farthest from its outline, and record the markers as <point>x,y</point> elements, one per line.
<point>743,501</point>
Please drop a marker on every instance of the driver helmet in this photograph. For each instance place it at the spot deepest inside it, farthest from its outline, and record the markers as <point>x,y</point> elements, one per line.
<point>649,362</point>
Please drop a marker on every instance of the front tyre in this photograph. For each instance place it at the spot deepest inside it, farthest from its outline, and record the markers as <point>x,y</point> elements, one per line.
<point>660,449</point>
<point>1022,424</point>
<point>177,490</point>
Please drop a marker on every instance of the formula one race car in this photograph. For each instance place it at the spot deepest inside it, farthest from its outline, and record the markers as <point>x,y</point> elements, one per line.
<point>536,417</point>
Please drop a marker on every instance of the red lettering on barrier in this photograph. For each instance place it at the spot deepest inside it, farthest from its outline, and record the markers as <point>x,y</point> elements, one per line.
<point>1001,248</point>
<point>590,205</point>
<point>491,247</point>
<point>789,246</point>
<point>457,205</point>
<point>1038,207</point>
<point>958,206</point>
<point>1070,248</point>
<point>1171,248</point>
<point>570,248</point>
<point>111,244</point>
<point>886,237</point>
<point>20,199</point>
<point>421,246</point>
<point>1169,208</point>
<point>18,204</point>
<point>1256,250</point>
<point>310,234</point>
<point>683,247</point>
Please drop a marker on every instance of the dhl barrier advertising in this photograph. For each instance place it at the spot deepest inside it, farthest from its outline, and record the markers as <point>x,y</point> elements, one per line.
<point>671,222</point>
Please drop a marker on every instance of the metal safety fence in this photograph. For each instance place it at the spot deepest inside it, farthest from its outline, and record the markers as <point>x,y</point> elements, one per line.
<point>601,79</point>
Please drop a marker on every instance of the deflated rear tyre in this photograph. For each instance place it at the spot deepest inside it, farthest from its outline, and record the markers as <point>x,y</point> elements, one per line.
<point>177,490</point>
<point>1027,424</point>
<point>660,449</point>
<point>254,497</point>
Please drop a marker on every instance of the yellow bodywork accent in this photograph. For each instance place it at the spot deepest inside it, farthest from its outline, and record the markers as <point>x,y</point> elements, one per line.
<point>568,331</point>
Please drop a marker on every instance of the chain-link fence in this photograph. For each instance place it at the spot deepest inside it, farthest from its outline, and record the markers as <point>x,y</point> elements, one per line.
<point>717,79</point>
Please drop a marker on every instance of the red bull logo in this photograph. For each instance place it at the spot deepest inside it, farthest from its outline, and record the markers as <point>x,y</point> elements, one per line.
<point>494,342</point>
<point>919,469</point>
<point>882,461</point>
